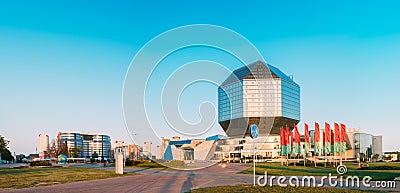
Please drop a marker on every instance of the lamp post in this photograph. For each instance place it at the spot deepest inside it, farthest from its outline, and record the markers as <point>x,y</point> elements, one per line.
<point>134,143</point>
<point>254,135</point>
<point>102,150</point>
<point>133,136</point>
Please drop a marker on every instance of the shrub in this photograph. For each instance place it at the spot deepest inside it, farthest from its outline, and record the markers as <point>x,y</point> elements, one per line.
<point>174,163</point>
<point>380,168</point>
<point>40,163</point>
<point>137,162</point>
<point>147,164</point>
<point>128,162</point>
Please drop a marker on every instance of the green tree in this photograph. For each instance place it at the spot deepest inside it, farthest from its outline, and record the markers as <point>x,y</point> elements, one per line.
<point>3,143</point>
<point>95,155</point>
<point>53,149</point>
<point>5,153</point>
<point>76,152</point>
<point>62,148</point>
<point>398,155</point>
<point>375,157</point>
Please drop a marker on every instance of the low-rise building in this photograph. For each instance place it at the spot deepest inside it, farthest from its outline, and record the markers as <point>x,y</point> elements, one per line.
<point>390,156</point>
<point>360,146</point>
<point>189,149</point>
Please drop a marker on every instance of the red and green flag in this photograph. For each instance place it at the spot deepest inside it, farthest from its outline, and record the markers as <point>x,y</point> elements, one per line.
<point>317,139</point>
<point>343,138</point>
<point>327,138</point>
<point>283,141</point>
<point>337,143</point>
<point>306,139</point>
<point>289,141</point>
<point>297,147</point>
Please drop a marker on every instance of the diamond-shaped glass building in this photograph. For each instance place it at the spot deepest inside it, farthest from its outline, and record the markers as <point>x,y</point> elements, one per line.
<point>258,94</point>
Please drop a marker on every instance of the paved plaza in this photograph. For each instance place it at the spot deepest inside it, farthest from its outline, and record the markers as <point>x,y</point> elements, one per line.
<point>152,180</point>
<point>155,180</point>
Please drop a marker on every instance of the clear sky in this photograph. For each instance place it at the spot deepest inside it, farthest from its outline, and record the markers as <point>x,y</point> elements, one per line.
<point>63,64</point>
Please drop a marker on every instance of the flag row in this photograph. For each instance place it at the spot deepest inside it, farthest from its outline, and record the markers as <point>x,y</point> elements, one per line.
<point>330,141</point>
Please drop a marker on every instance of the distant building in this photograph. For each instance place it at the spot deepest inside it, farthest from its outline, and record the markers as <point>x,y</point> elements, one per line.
<point>390,156</point>
<point>43,145</point>
<point>33,156</point>
<point>377,146</point>
<point>159,152</point>
<point>147,149</point>
<point>88,144</point>
<point>132,151</point>
<point>363,145</point>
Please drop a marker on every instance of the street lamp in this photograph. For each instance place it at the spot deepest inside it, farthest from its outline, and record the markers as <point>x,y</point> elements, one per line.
<point>133,136</point>
<point>102,151</point>
<point>134,143</point>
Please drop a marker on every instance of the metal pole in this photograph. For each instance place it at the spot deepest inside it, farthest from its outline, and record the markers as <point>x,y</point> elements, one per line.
<point>341,163</point>
<point>325,156</point>
<point>254,163</point>
<point>102,150</point>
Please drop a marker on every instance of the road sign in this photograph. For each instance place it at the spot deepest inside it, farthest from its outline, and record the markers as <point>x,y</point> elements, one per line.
<point>254,131</point>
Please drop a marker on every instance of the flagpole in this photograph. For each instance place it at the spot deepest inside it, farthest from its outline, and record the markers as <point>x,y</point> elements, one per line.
<point>325,157</point>
<point>341,163</point>
<point>324,148</point>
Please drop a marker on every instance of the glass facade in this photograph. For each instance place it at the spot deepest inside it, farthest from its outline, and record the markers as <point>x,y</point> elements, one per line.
<point>363,146</point>
<point>230,100</point>
<point>100,144</point>
<point>290,100</point>
<point>261,94</point>
<point>72,140</point>
<point>255,98</point>
<point>87,143</point>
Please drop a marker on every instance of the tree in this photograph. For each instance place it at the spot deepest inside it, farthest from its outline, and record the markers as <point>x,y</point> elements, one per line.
<point>95,155</point>
<point>387,157</point>
<point>76,152</point>
<point>3,143</point>
<point>398,155</point>
<point>53,151</point>
<point>5,153</point>
<point>19,158</point>
<point>62,148</point>
<point>375,157</point>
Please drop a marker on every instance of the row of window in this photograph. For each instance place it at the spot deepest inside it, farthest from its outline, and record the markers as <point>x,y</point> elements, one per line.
<point>262,82</point>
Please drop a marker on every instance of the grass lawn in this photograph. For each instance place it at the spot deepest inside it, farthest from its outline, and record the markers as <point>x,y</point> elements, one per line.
<point>31,177</point>
<point>277,169</point>
<point>250,188</point>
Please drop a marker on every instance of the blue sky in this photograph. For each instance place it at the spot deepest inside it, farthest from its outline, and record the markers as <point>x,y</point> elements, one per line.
<point>62,65</point>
